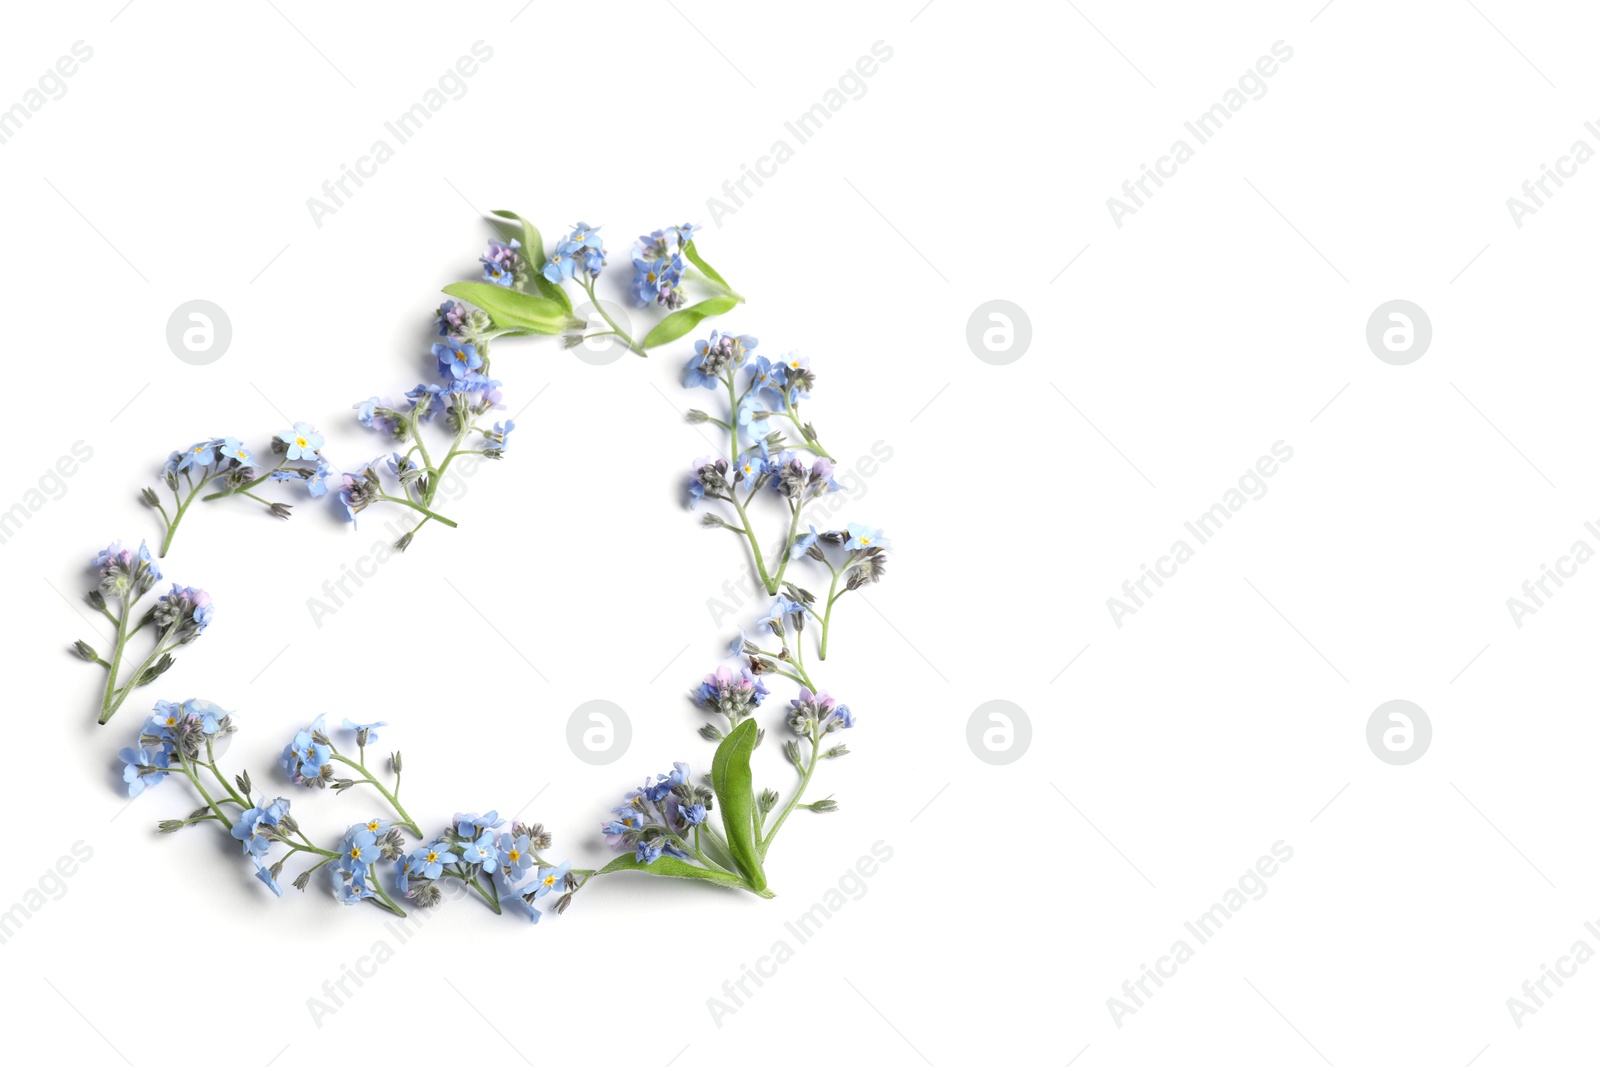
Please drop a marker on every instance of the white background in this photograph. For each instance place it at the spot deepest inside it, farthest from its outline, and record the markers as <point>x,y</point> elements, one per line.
<point>1228,314</point>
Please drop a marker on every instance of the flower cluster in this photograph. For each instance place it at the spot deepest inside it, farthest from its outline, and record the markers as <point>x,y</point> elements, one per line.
<point>664,824</point>
<point>383,860</point>
<point>177,618</point>
<point>661,817</point>
<point>503,866</point>
<point>581,250</point>
<point>659,266</point>
<point>230,468</point>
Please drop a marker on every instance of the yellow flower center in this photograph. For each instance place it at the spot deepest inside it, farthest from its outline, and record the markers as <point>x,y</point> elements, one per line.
<point>355,853</point>
<point>373,825</point>
<point>301,441</point>
<point>549,879</point>
<point>433,857</point>
<point>515,855</point>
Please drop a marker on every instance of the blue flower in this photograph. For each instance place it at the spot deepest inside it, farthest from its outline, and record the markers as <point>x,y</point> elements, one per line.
<point>134,758</point>
<point>233,448</point>
<point>366,732</point>
<point>250,829</point>
<point>665,782</point>
<point>864,537</point>
<point>471,824</point>
<point>317,480</point>
<point>305,756</point>
<point>694,814</point>
<point>351,885</point>
<point>656,281</point>
<point>209,715</point>
<point>768,374</point>
<point>359,850</point>
<point>198,455</point>
<point>550,878</point>
<point>456,358</point>
<point>797,373</point>
<point>427,393</point>
<point>585,236</point>
<point>753,417</point>
<point>782,608</point>
<point>562,263</point>
<point>752,467</point>
<point>481,852</point>
<point>429,862</point>
<point>803,542</point>
<point>264,873</point>
<point>501,432</point>
<point>516,856</point>
<point>516,898</point>
<point>303,441</point>
<point>647,851</point>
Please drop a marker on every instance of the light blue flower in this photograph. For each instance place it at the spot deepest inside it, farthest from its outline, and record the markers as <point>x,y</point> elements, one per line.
<point>303,441</point>
<point>359,850</point>
<point>753,417</point>
<point>550,879</point>
<point>768,374</point>
<point>516,856</point>
<point>366,732</point>
<point>134,758</point>
<point>264,873</point>
<point>200,454</point>
<point>456,358</point>
<point>317,480</point>
<point>429,862</point>
<point>864,537</point>
<point>562,263</point>
<point>482,851</point>
<point>233,448</point>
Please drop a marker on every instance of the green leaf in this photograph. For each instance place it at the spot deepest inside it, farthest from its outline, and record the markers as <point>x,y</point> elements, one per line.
<point>533,249</point>
<point>683,320</point>
<point>735,789</point>
<point>511,310</point>
<point>693,254</point>
<point>671,867</point>
<point>717,852</point>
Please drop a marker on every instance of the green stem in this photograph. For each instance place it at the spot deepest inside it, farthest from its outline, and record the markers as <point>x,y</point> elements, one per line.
<point>177,517</point>
<point>594,301</point>
<point>247,485</point>
<point>107,709</point>
<point>805,780</point>
<point>812,443</point>
<point>418,507</point>
<point>406,820</point>
<point>827,616</point>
